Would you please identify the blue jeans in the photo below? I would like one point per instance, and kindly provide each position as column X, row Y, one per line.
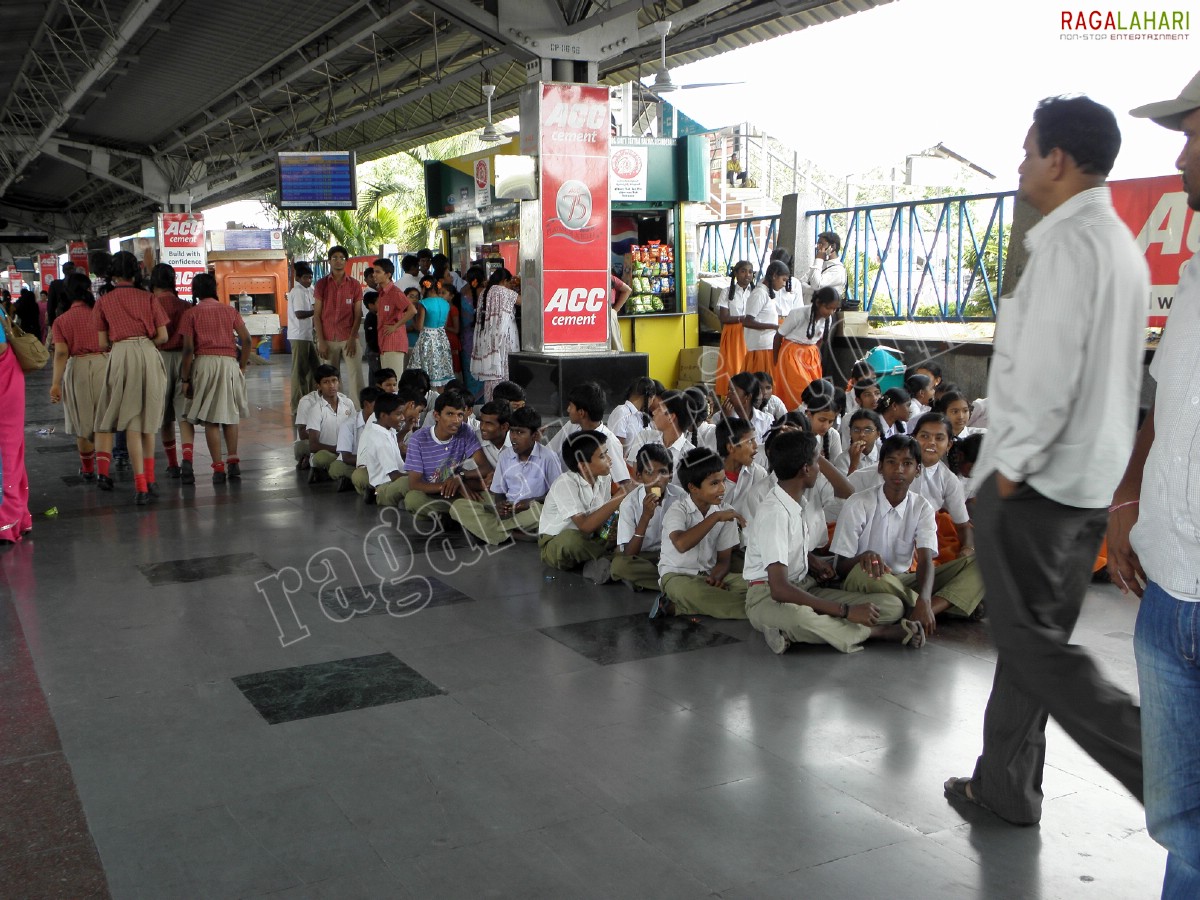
column 1168, row 663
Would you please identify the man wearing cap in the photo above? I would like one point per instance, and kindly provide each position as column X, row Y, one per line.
column 1051, row 460
column 1157, row 506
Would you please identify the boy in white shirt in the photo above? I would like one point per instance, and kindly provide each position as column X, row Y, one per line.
column 585, row 409
column 379, row 454
column 577, row 510
column 783, row 600
column 493, row 429
column 639, row 522
column 879, row 531
column 700, row 535
column 319, row 417
column 525, row 472
column 345, row 467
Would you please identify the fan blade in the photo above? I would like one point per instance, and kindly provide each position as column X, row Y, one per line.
column 711, row 84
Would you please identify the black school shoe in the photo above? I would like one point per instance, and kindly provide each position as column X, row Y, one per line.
column 344, row 484
column 142, row 498
column 318, row 476
column 173, row 471
column 219, row 478
column 234, row 470
column 104, row 482
column 187, row 474
column 89, row 477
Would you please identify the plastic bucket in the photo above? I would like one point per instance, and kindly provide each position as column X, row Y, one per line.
column 888, row 367
column 264, row 349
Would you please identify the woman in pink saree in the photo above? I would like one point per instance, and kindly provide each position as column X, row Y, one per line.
column 15, row 521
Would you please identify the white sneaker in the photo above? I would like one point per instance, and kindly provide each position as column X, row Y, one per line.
column 598, row 571
column 775, row 640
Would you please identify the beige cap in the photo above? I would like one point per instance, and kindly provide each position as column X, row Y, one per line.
column 1169, row 113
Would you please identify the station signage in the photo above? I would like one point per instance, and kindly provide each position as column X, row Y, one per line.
column 78, row 251
column 1167, row 230
column 573, row 138
column 181, row 245
column 47, row 269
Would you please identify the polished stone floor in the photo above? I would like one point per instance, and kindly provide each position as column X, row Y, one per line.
column 273, row 690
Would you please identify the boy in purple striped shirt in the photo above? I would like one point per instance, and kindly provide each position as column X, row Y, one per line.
column 435, row 458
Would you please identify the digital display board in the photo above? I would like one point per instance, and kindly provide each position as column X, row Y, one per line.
column 317, row 180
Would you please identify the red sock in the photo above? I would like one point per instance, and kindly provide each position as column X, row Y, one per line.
column 148, row 469
column 232, row 459
column 218, row 467
column 103, row 461
column 187, row 452
column 172, row 455
column 87, row 462
column 139, row 484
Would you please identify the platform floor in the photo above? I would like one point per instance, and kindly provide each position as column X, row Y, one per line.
column 511, row 733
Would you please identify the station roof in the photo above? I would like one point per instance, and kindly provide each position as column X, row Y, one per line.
column 112, row 109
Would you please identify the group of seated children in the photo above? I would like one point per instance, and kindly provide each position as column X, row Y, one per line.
column 829, row 546
column 815, row 533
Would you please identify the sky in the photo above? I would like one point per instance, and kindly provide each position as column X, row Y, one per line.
column 869, row 89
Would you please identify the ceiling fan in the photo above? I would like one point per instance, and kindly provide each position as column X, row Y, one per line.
column 663, row 83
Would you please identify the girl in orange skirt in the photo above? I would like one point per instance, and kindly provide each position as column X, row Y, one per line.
column 731, row 309
column 798, row 346
column 762, row 318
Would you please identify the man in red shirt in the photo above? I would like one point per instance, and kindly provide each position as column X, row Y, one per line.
column 394, row 311
column 337, row 314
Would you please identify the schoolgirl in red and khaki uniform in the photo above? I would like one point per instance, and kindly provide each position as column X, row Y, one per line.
column 162, row 285
column 131, row 325
column 79, row 367
column 214, row 374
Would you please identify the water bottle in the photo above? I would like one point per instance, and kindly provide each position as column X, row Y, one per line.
column 245, row 304
column 609, row 527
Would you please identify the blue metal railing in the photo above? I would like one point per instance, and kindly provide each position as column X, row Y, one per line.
column 727, row 242
column 912, row 260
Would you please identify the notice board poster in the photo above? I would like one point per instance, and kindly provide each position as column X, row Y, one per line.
column 574, row 136
column 78, row 251
column 1156, row 211
column 181, row 245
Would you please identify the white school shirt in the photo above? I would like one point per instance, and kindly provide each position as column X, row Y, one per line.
column 867, row 460
column 795, row 327
column 612, row 446
column 1076, row 322
column 490, row 451
column 943, row 490
column 525, row 479
column 570, row 496
column 745, row 494
column 787, row 302
column 735, row 300
column 316, row 415
column 300, row 299
column 969, row 430
column 764, row 309
column 869, row 522
column 379, row 453
column 625, row 421
column 631, row 514
column 652, row 435
column 917, row 409
column 824, row 273
column 860, row 480
column 780, row 533
column 775, row 408
column 1167, row 534
column 350, row 433
column 682, row 516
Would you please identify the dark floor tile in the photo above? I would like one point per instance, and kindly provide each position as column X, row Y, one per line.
column 353, row 600
column 178, row 571
column 70, row 873
column 625, row 638
column 321, row 689
column 72, row 480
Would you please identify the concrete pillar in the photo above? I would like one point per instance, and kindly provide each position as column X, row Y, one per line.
column 1015, row 254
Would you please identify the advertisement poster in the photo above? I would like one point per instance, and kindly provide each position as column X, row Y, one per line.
column 181, row 244
column 47, row 269
column 574, row 136
column 483, row 183
column 78, row 251
column 627, row 181
column 1156, row 211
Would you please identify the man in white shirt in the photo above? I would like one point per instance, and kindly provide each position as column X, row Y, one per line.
column 827, row 270
column 408, row 274
column 1165, row 555
column 1052, row 459
column 300, row 334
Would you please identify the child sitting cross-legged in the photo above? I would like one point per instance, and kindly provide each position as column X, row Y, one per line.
column 319, row 417
column 585, row 409
column 784, row 600
column 700, row 535
column 435, row 460
column 578, row 508
column 880, row 529
column 639, row 524
column 344, row 468
column 379, row 453
column 525, row 471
